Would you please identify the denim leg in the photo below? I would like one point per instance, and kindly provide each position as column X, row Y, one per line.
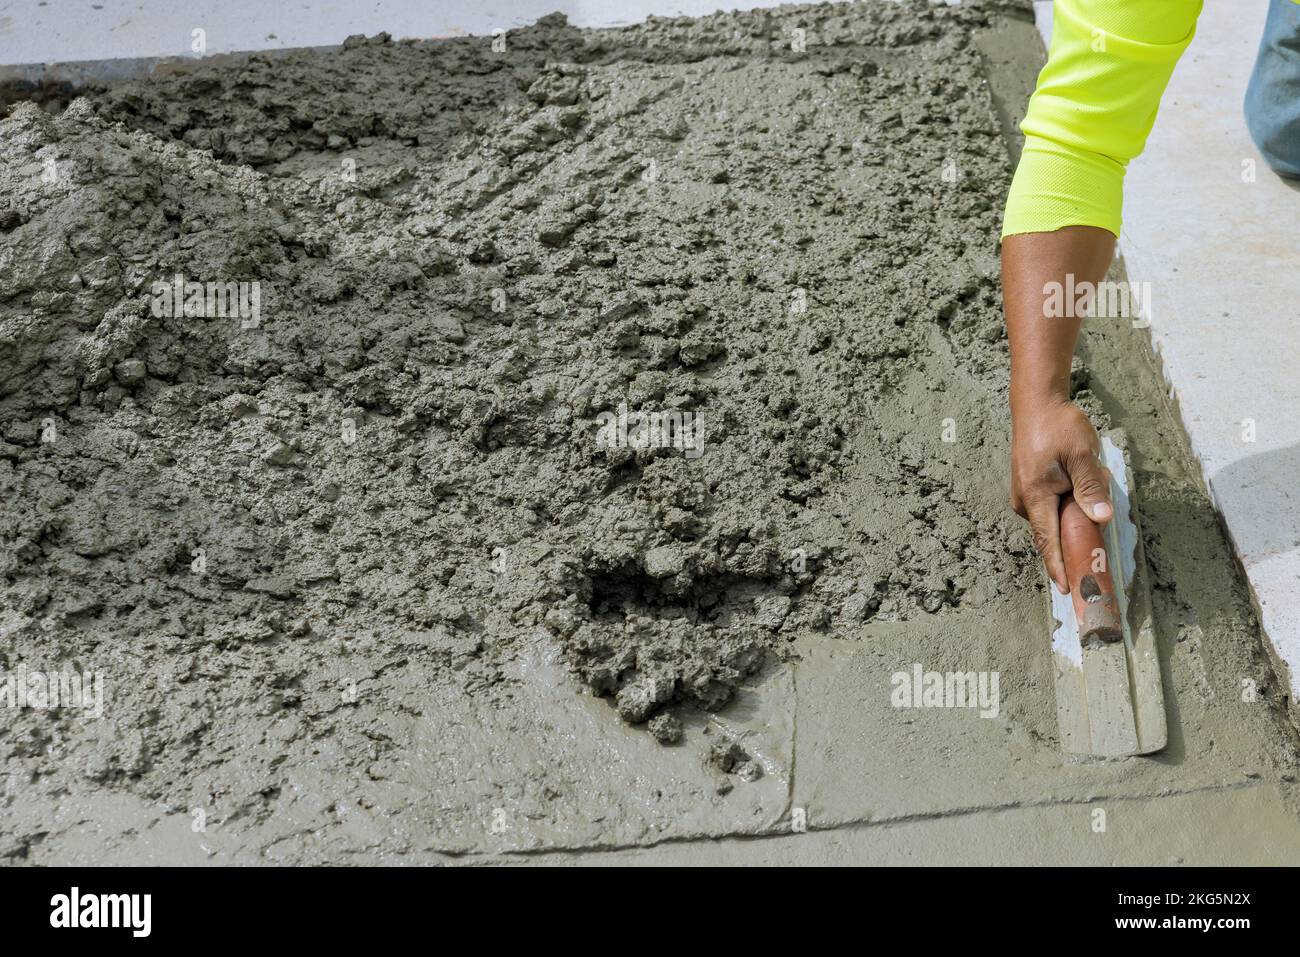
column 1273, row 97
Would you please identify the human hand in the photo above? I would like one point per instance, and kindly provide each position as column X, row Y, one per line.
column 1054, row 453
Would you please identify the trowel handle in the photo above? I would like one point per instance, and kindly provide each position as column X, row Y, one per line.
column 1087, row 569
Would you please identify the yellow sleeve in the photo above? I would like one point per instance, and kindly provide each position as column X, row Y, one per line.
column 1094, row 106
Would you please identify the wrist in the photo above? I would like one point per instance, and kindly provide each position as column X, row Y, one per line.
column 1030, row 404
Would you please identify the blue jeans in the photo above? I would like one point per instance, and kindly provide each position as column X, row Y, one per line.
column 1273, row 97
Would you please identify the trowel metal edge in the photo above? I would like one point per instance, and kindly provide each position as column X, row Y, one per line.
column 1109, row 699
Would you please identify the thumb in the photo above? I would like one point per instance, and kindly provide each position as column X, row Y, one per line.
column 1091, row 481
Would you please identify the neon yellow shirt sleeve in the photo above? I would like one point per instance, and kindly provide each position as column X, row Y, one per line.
column 1094, row 106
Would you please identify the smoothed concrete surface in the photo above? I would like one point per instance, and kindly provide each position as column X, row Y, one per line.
column 1245, row 826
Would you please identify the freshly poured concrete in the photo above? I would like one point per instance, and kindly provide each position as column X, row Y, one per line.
column 321, row 697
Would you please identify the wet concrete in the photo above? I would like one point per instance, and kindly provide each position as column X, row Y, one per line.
column 381, row 576
column 1198, row 829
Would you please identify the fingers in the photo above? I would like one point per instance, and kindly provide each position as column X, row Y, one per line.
column 1091, row 481
column 1044, row 523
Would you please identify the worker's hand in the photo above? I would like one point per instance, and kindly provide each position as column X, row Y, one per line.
column 1054, row 453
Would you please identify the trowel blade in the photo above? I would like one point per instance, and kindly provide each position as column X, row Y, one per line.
column 1109, row 699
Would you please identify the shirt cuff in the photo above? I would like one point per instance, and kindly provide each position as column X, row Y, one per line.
column 1058, row 185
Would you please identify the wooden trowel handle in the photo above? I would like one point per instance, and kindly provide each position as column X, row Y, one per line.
column 1087, row 569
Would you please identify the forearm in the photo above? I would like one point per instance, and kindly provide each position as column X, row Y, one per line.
column 1041, row 342
column 1090, row 114
column 1053, row 445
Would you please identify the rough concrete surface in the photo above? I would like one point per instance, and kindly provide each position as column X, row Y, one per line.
column 378, row 574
